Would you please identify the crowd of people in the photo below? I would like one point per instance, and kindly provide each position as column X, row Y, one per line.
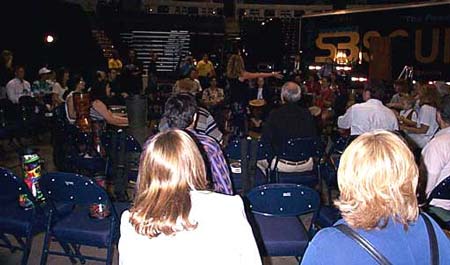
column 182, row 193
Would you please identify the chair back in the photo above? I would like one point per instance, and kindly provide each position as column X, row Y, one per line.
column 441, row 191
column 263, row 151
column 73, row 188
column 11, row 187
column 301, row 149
column 237, row 149
column 132, row 145
column 283, row 200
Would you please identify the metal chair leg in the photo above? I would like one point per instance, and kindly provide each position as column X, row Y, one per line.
column 27, row 249
column 8, row 244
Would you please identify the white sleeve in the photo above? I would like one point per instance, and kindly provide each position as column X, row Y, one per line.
column 249, row 250
column 427, row 115
column 10, row 93
column 434, row 162
column 345, row 121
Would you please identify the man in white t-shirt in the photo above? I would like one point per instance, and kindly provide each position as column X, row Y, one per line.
column 436, row 154
column 18, row 86
column 370, row 115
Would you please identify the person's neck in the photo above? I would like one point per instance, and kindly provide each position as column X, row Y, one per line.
column 260, row 87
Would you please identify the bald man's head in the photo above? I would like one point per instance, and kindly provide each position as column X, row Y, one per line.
column 291, row 92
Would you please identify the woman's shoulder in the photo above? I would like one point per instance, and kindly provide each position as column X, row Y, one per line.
column 214, row 200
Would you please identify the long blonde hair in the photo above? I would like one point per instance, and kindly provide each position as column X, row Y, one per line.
column 377, row 179
column 170, row 167
column 235, row 66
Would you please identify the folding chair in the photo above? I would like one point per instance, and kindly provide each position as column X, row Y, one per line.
column 276, row 210
column 442, row 192
column 133, row 151
column 237, row 155
column 21, row 223
column 77, row 228
column 300, row 149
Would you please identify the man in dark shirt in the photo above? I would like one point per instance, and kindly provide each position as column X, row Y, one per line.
column 290, row 120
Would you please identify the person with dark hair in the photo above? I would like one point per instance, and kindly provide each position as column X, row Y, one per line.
column 436, row 154
column 60, row 87
column 99, row 111
column 132, row 74
column 181, row 112
column 77, row 86
column 369, row 116
column 18, row 86
column 6, row 70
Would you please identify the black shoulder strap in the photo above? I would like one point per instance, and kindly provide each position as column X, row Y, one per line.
column 363, row 243
column 434, row 249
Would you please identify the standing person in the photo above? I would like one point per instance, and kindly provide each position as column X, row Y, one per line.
column 173, row 210
column 117, row 93
column 296, row 67
column 422, row 130
column 186, row 66
column 237, row 76
column 205, row 70
column 132, row 74
column 6, row 71
column 378, row 179
column 18, row 86
column 152, row 72
column 114, row 63
column 326, row 69
column 60, row 87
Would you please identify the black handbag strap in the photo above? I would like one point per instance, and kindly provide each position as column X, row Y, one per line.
column 363, row 243
column 434, row 250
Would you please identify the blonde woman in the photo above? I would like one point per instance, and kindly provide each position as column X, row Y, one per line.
column 239, row 90
column 174, row 219
column 377, row 179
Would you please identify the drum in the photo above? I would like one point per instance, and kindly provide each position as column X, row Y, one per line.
column 82, row 106
column 256, row 114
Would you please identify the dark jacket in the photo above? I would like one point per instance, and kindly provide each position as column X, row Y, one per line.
column 267, row 94
column 288, row 122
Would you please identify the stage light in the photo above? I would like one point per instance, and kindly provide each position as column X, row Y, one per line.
column 263, row 23
column 49, row 39
column 414, row 82
column 447, row 83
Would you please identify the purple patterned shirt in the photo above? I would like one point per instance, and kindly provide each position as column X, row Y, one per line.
column 219, row 167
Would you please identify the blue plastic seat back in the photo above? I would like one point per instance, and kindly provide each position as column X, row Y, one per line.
column 301, row 149
column 73, row 188
column 441, row 191
column 283, row 200
column 264, row 151
column 233, row 151
column 11, row 186
column 132, row 145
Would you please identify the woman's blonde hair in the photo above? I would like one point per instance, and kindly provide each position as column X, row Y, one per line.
column 170, row 167
column 428, row 94
column 235, row 66
column 377, row 179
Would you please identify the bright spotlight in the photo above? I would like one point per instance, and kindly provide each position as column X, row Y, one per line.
column 49, row 39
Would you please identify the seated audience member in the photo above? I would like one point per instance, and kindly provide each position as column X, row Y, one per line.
column 422, row 131
column 189, row 84
column 181, row 112
column 377, row 180
column 213, row 95
column 401, row 90
column 176, row 218
column 205, row 123
column 59, row 87
column 436, row 154
column 18, row 86
column 261, row 91
column 42, row 87
column 99, row 110
column 370, row 115
column 290, row 121
column 78, row 85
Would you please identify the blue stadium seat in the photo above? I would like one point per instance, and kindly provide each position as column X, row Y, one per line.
column 276, row 210
column 442, row 192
